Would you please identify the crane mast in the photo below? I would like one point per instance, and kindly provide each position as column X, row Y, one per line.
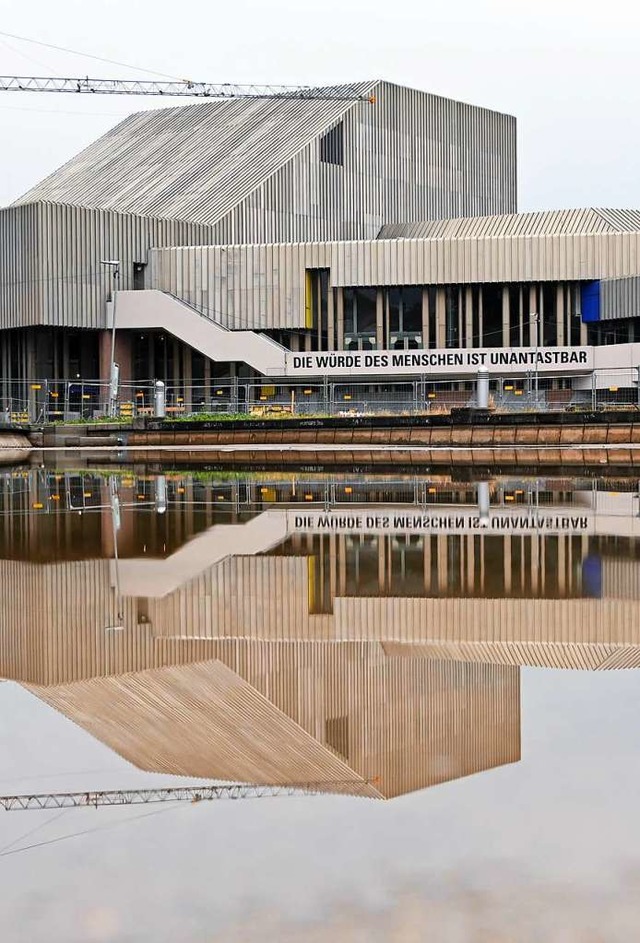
column 176, row 89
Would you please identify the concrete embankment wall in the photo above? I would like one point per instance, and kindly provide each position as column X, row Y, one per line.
column 460, row 436
column 514, row 444
column 526, row 440
column 292, row 457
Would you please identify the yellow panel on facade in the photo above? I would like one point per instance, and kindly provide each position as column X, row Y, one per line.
column 311, row 576
column 308, row 300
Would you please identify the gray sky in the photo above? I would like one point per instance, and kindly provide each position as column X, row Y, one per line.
column 568, row 71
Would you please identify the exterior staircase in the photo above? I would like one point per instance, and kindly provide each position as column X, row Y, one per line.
column 157, row 310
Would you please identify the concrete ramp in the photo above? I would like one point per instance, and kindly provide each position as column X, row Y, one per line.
column 156, row 310
column 157, row 578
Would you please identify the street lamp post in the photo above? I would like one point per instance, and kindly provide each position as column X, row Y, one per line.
column 536, row 320
column 114, row 502
column 114, row 368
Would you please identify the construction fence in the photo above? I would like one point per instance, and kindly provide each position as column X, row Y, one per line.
column 46, row 401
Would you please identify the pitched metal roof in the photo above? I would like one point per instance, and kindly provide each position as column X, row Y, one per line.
column 193, row 163
column 568, row 222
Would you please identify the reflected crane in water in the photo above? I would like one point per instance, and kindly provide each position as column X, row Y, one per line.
column 193, row 794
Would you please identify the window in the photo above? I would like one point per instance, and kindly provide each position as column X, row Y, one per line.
column 360, row 310
column 332, row 146
column 452, row 333
column 337, row 734
column 404, row 306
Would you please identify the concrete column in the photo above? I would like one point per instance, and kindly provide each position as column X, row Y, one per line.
column 175, row 379
column 506, row 550
column 442, row 563
column 480, row 317
column 123, row 356
column 535, row 562
column 426, row 551
column 425, row 317
column 505, row 316
column 340, row 319
column 520, row 316
column 583, row 332
column 562, row 564
column 441, row 316
column 331, row 323
column 469, row 315
column 382, row 569
column 380, row 340
column 342, row 564
column 533, row 309
column 560, row 314
column 151, row 358
column 187, row 370
column 207, row 381
column 470, row 562
column 333, row 567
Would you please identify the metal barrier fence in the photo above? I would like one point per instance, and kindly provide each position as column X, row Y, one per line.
column 53, row 491
column 46, row 401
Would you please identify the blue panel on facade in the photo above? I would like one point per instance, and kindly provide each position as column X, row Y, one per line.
column 590, row 301
column 592, row 576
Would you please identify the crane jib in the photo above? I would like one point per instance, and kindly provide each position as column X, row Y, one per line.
column 186, row 88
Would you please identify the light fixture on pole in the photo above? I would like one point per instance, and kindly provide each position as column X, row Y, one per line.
column 535, row 317
column 114, row 368
column 114, row 503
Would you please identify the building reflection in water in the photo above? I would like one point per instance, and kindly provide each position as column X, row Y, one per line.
column 362, row 633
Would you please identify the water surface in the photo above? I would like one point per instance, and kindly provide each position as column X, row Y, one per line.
column 448, row 665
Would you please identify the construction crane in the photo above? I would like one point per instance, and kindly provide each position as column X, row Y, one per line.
column 203, row 793
column 186, row 88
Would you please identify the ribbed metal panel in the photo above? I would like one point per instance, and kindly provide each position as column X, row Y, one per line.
column 199, row 720
column 575, row 655
column 53, row 623
column 259, row 287
column 620, row 578
column 245, row 172
column 619, row 298
column 247, row 597
column 194, row 162
column 50, row 272
column 290, row 712
column 611, row 622
column 253, row 167
column 547, row 223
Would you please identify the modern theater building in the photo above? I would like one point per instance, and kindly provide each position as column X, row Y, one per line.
column 300, row 239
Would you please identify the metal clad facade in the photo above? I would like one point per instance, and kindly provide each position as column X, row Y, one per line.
column 292, row 712
column 245, row 172
column 50, row 260
column 256, row 170
column 258, row 287
column 619, row 298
